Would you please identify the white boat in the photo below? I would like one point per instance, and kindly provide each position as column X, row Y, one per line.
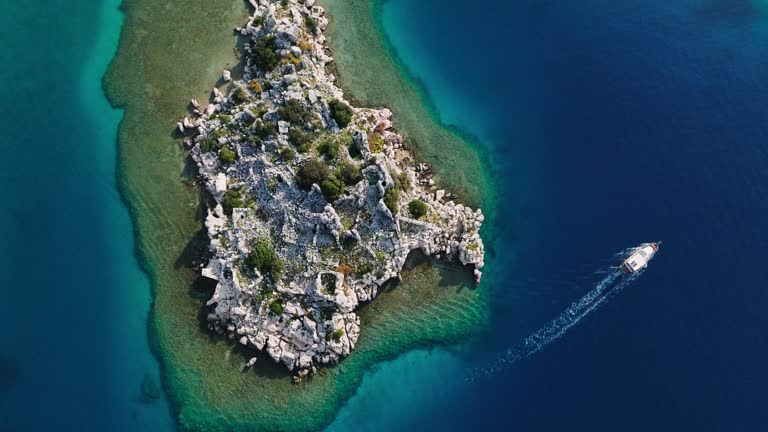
column 639, row 257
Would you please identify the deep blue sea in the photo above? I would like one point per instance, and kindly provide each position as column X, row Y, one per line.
column 605, row 123
column 73, row 302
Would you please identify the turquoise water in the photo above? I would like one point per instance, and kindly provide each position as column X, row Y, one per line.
column 74, row 302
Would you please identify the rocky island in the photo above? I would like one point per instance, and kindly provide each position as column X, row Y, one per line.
column 314, row 204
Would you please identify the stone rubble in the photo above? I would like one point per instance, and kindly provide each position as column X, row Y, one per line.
column 336, row 254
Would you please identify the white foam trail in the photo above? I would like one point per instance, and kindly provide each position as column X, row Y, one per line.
column 611, row 284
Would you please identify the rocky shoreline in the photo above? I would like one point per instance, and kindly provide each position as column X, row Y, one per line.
column 314, row 204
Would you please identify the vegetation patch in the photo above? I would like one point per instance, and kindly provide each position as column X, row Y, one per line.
column 264, row 259
column 391, row 198
column 227, row 155
column 264, row 55
column 341, row 112
column 312, row 171
column 232, row 200
column 417, row 208
column 294, row 112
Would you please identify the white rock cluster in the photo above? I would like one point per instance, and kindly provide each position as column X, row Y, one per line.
column 334, row 255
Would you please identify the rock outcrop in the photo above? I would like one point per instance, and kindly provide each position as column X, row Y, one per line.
column 314, row 204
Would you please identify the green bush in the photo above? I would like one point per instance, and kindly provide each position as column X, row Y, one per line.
column 329, row 149
column 417, row 208
column 332, row 188
column 239, row 95
column 264, row 129
column 335, row 335
column 264, row 259
column 340, row 112
column 350, row 173
column 311, row 24
column 293, row 112
column 276, row 307
column 208, row 145
column 264, row 55
column 313, row 171
column 227, row 155
column 364, row 268
column 302, row 141
column 286, row 153
column 232, row 199
column 391, row 197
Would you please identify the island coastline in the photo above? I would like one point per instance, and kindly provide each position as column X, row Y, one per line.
column 218, row 408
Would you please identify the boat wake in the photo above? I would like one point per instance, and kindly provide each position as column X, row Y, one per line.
column 610, row 285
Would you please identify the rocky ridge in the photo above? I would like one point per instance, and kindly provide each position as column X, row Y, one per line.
column 314, row 204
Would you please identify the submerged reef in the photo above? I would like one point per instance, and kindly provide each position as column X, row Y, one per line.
column 314, row 204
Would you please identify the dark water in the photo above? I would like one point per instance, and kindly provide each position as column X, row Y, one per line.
column 607, row 124
column 73, row 302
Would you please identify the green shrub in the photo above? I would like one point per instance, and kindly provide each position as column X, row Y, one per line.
column 232, row 199
column 302, row 141
column 340, row 112
column 264, row 55
column 208, row 145
column 311, row 24
column 227, row 155
column 264, row 259
column 332, row 188
column 265, row 129
column 405, row 182
column 276, row 307
column 239, row 95
column 335, row 335
column 313, row 171
column 350, row 173
column 329, row 149
column 391, row 197
column 286, row 153
column 293, row 112
column 417, row 208
column 364, row 268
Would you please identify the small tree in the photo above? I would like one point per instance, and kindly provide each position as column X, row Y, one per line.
column 264, row 55
column 332, row 188
column 391, row 197
column 293, row 112
column 286, row 153
column 264, row 129
column 417, row 208
column 350, row 173
column 239, row 95
column 313, row 171
column 299, row 139
column 264, row 259
column 340, row 112
column 329, row 149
